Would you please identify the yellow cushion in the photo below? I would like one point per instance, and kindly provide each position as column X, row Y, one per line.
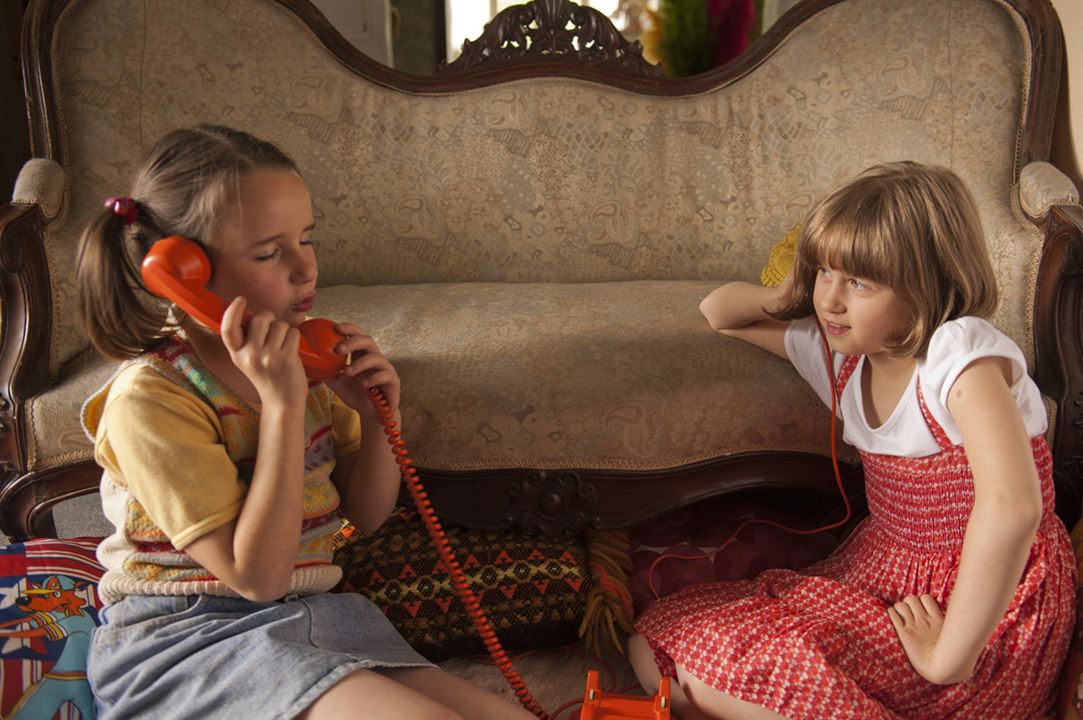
column 781, row 259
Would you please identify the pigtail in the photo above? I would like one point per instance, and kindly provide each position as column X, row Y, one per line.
column 113, row 302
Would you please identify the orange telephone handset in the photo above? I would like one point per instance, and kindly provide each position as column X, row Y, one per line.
column 178, row 269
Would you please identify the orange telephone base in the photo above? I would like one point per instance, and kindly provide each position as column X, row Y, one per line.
column 598, row 705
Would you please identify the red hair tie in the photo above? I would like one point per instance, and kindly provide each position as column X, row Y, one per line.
column 124, row 207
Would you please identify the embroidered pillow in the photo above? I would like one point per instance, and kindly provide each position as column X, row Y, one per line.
column 533, row 588
column 48, row 608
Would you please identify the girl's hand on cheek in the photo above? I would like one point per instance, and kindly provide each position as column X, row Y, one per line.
column 368, row 368
column 266, row 352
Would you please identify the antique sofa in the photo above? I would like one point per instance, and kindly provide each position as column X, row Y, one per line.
column 528, row 233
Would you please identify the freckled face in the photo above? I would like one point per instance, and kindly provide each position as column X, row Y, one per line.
column 263, row 249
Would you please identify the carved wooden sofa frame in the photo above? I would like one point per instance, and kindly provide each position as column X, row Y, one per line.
column 564, row 42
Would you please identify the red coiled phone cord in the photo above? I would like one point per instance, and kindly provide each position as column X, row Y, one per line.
column 458, row 579
column 443, row 549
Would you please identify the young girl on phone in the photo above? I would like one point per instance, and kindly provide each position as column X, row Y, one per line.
column 955, row 597
column 225, row 468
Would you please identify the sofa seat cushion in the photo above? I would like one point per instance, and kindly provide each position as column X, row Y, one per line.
column 613, row 375
column 616, row 375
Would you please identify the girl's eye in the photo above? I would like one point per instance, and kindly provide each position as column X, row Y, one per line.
column 823, row 272
column 269, row 256
column 858, row 284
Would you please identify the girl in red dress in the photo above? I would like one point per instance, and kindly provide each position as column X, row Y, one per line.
column 955, row 597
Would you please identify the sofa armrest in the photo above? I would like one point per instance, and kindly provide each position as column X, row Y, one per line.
column 25, row 327
column 41, row 183
column 1058, row 346
column 1041, row 186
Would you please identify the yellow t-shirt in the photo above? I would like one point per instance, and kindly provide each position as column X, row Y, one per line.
column 177, row 449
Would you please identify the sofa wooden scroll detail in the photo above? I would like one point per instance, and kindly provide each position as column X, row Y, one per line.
column 529, row 232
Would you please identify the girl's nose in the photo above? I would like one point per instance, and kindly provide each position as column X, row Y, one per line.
column 304, row 268
column 831, row 296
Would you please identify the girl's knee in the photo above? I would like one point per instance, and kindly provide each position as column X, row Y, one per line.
column 639, row 647
column 698, row 699
column 641, row 656
column 381, row 696
column 452, row 715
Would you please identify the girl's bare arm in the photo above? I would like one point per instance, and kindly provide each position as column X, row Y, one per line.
column 368, row 480
column 740, row 310
column 255, row 553
column 999, row 533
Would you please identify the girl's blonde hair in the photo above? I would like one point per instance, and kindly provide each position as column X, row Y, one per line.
column 911, row 227
column 180, row 188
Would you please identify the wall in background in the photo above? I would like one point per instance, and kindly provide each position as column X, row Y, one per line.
column 1068, row 132
column 417, row 31
column 366, row 24
column 14, row 135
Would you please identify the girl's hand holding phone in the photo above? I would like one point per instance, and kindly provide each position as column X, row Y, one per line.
column 368, row 368
column 265, row 350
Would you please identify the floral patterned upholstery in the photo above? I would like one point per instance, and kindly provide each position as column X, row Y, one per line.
column 531, row 253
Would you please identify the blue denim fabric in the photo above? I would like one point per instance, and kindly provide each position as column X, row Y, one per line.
column 200, row 656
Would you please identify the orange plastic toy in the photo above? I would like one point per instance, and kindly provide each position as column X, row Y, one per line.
column 602, row 706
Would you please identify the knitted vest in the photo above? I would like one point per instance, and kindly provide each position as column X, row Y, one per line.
column 139, row 557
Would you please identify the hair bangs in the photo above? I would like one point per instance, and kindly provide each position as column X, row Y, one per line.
column 850, row 240
column 910, row 227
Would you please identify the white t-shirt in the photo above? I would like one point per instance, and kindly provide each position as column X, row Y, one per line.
column 954, row 346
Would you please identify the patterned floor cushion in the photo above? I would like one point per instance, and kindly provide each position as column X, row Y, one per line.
column 534, row 589
column 48, row 608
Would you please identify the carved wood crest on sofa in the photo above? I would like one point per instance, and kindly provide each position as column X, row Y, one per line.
column 528, row 233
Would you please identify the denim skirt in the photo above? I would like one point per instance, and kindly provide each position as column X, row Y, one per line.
column 200, row 656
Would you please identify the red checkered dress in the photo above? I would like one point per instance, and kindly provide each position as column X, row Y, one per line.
column 819, row 644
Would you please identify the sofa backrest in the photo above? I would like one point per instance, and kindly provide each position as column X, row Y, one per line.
column 553, row 179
